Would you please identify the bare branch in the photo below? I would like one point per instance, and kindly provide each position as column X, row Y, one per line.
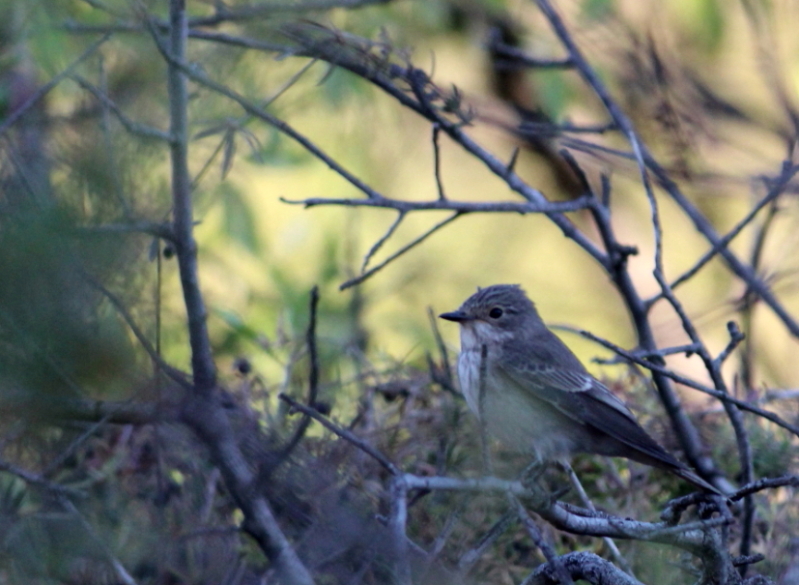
column 38, row 481
column 689, row 537
column 14, row 116
column 450, row 205
column 132, row 127
column 196, row 75
column 778, row 188
column 379, row 243
column 397, row 522
column 119, row 306
column 581, row 565
column 224, row 14
column 353, row 55
column 685, row 381
column 360, row 278
column 561, row 575
column 313, row 377
column 122, row 574
column 470, row 557
column 517, row 57
column 586, row 501
column 344, row 434
column 203, row 367
column 200, row 411
column 736, row 337
column 437, row 163
column 765, row 484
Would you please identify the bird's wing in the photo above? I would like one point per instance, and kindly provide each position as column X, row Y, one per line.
column 558, row 384
column 586, row 400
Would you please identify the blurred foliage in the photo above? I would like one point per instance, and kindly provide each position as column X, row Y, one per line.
column 74, row 183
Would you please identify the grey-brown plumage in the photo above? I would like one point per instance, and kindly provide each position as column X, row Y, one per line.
column 535, row 395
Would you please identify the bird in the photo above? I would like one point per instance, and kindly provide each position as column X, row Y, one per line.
column 531, row 392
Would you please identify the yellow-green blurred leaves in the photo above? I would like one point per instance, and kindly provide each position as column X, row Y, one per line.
column 238, row 222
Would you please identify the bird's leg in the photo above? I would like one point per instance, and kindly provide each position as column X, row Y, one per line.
column 533, row 472
column 540, row 496
column 530, row 480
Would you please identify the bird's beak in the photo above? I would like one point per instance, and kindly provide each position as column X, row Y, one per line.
column 457, row 316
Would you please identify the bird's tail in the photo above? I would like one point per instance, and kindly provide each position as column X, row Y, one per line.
column 693, row 478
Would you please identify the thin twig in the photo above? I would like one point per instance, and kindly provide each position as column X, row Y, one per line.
column 765, row 484
column 135, row 128
column 121, row 572
column 736, row 337
column 379, row 243
column 777, row 189
column 514, row 158
column 38, row 481
column 14, row 116
column 470, row 557
column 714, row 369
column 480, row 484
column 690, row 383
column 155, row 356
column 313, row 377
column 413, row 243
column 535, row 534
column 58, row 461
column 516, row 55
column 232, row 126
column 578, row 487
column 437, row 163
column 521, row 208
column 196, row 75
column 268, row 8
column 747, row 305
column 344, row 434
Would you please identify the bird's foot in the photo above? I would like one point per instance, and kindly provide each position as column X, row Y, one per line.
column 532, row 473
column 530, row 480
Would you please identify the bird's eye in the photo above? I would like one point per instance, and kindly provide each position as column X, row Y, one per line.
column 495, row 313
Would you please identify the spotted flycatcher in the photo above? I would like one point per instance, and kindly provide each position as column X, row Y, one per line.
column 531, row 392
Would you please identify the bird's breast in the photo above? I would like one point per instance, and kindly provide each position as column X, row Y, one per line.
column 516, row 415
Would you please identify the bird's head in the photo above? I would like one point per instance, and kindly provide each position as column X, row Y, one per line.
column 495, row 312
